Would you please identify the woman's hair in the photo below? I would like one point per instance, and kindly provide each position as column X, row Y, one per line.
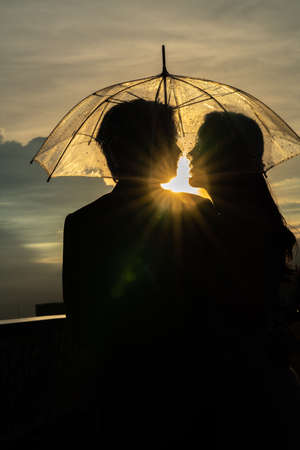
column 286, row 240
column 233, row 142
column 132, row 134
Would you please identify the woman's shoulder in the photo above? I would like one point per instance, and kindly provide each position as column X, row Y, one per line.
column 193, row 201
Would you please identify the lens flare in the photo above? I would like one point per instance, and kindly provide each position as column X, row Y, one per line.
column 181, row 183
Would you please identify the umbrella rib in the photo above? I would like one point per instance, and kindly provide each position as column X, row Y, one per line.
column 267, row 128
column 201, row 90
column 158, row 90
column 282, row 161
column 179, row 112
column 136, row 96
column 183, row 77
column 54, row 129
column 84, row 134
column 187, row 103
column 97, row 123
column 169, row 98
column 195, row 103
column 116, row 100
column 85, row 120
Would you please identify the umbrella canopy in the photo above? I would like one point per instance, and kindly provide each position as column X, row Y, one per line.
column 71, row 148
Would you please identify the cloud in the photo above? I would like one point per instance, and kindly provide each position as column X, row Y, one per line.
column 47, row 252
column 22, row 282
column 291, row 206
column 72, row 49
column 31, row 227
column 2, row 136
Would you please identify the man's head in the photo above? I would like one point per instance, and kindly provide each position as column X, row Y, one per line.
column 139, row 138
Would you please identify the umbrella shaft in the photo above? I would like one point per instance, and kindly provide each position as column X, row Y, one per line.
column 164, row 72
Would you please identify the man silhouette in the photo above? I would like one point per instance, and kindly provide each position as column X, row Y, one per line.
column 125, row 284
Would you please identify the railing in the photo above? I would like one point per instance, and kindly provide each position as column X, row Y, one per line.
column 32, row 353
column 31, row 319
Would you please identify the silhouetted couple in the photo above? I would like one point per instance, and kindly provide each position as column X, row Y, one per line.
column 169, row 296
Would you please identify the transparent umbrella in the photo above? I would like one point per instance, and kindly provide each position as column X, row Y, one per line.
column 71, row 148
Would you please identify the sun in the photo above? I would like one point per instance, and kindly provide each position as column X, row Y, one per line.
column 181, row 183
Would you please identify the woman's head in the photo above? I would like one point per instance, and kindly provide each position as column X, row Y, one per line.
column 139, row 137
column 227, row 161
column 228, row 144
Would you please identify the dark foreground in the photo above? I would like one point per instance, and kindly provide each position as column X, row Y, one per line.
column 33, row 356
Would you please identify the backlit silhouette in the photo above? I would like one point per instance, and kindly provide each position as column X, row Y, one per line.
column 127, row 294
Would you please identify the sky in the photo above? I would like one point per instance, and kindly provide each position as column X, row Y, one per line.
column 55, row 53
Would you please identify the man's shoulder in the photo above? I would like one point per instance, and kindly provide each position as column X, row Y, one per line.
column 91, row 210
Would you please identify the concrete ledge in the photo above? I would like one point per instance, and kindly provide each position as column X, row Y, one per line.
column 31, row 319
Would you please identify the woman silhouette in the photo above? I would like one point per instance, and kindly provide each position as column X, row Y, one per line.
column 227, row 161
column 255, row 247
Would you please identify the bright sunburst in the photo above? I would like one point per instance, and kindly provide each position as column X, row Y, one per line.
column 181, row 182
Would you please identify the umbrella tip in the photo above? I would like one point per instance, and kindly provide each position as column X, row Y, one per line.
column 163, row 50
